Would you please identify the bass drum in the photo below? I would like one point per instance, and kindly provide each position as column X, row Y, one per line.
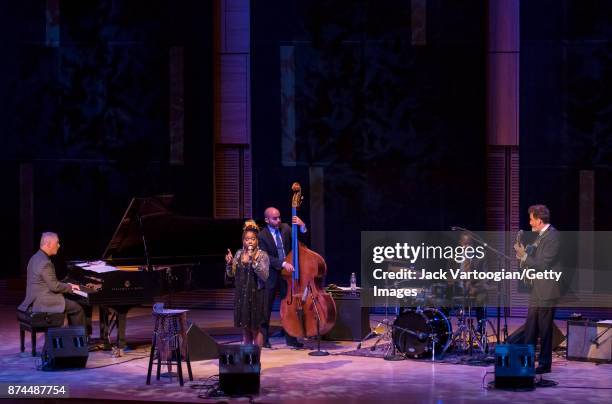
column 415, row 330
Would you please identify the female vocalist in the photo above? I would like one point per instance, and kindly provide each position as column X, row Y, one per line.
column 250, row 268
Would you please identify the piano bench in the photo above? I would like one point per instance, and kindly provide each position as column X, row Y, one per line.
column 36, row 322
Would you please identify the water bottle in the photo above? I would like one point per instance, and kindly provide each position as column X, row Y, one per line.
column 353, row 283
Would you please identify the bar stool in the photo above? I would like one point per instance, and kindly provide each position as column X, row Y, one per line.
column 169, row 341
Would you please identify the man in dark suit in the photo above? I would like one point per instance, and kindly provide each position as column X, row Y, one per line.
column 44, row 293
column 542, row 255
column 275, row 239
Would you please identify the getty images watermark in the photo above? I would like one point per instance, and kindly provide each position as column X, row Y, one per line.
column 441, row 268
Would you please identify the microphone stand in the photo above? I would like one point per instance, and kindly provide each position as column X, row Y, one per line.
column 392, row 356
column 500, row 255
column 318, row 352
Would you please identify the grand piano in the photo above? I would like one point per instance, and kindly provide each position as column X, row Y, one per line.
column 153, row 252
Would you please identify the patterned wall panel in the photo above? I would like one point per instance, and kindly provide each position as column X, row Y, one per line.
column 232, row 121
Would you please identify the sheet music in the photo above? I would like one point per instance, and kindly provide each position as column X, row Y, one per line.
column 97, row 266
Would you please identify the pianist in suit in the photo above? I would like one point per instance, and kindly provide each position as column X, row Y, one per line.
column 44, row 293
column 250, row 268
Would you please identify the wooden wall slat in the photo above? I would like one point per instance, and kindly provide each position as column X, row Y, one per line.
column 232, row 119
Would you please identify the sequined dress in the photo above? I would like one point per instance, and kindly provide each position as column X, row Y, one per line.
column 250, row 294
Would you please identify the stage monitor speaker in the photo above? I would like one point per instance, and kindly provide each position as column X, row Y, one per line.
column 352, row 320
column 65, row 348
column 518, row 336
column 201, row 345
column 514, row 366
column 589, row 341
column 239, row 369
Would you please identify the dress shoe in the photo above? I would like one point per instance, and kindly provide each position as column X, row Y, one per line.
column 267, row 344
column 296, row 344
column 542, row 369
column 94, row 344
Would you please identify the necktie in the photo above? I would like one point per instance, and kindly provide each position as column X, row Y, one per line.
column 536, row 243
column 279, row 244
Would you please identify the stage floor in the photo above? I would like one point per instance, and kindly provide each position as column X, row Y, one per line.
column 292, row 375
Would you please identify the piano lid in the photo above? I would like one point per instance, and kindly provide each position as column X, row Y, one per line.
column 170, row 237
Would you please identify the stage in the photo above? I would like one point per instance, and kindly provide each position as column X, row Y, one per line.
column 292, row 375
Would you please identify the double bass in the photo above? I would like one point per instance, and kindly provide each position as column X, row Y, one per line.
column 307, row 310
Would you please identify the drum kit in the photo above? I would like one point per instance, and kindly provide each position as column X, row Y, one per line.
column 422, row 328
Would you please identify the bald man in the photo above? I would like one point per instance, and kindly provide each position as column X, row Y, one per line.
column 275, row 239
column 44, row 293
